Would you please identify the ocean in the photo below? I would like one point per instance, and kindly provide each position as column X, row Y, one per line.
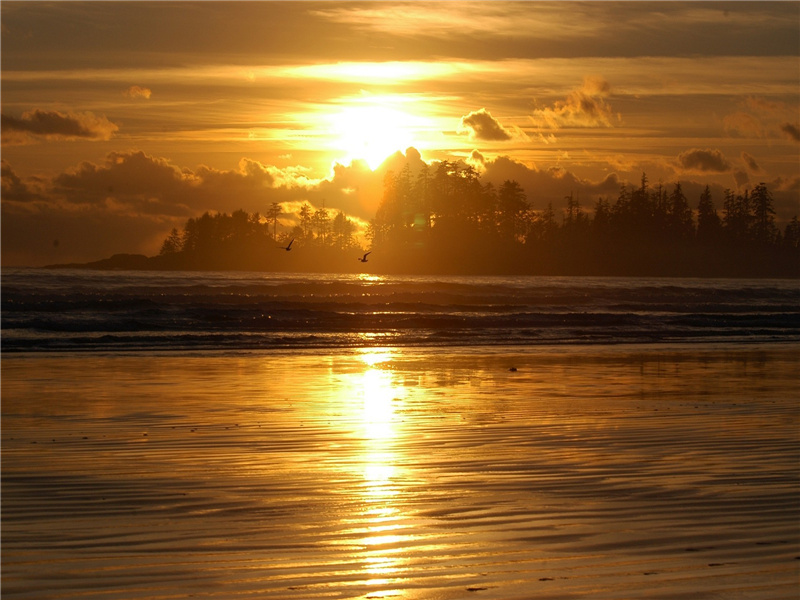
column 82, row 310
column 296, row 436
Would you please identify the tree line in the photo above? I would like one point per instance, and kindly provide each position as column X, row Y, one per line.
column 248, row 241
column 465, row 225
column 446, row 220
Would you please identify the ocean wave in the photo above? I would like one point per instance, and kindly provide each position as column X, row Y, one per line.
column 44, row 310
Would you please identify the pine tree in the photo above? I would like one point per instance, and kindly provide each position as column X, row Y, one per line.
column 708, row 222
column 791, row 236
column 512, row 206
column 680, row 215
column 763, row 227
column 172, row 244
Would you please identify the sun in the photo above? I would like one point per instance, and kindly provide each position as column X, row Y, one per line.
column 371, row 133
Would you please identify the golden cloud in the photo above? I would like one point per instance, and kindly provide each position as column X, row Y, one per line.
column 136, row 91
column 583, row 107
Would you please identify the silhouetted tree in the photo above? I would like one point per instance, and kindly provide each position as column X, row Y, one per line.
column 708, row 221
column 655, row 221
column 681, row 224
column 791, row 236
column 306, row 218
column 273, row 213
column 763, row 227
column 602, row 218
column 322, row 224
column 543, row 226
column 422, row 199
column 342, row 230
column 173, row 243
column 488, row 210
column 736, row 219
column 451, row 221
column 512, row 208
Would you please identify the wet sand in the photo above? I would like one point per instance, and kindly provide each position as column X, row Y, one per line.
column 605, row 472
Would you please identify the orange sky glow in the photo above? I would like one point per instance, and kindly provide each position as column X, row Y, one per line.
column 121, row 120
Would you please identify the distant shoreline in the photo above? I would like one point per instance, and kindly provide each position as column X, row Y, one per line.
column 141, row 262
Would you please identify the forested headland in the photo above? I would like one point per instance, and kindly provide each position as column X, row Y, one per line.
column 447, row 221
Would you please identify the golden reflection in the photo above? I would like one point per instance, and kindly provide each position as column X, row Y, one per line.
column 368, row 279
column 384, row 536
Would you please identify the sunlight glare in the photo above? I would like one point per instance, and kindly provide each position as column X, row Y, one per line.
column 375, row 356
column 386, row 73
column 378, row 405
column 370, row 279
column 371, row 133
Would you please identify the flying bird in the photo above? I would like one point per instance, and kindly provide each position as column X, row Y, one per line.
column 289, row 247
column 364, row 258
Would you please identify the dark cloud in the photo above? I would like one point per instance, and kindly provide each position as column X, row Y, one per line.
column 250, row 176
column 87, row 207
column 706, row 161
column 128, row 179
column 11, row 186
column 751, row 163
column 49, row 124
column 380, row 31
column 741, row 178
column 131, row 201
column 793, row 131
column 549, row 186
column 481, row 125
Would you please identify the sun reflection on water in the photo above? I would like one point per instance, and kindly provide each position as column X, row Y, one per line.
column 367, row 278
column 383, row 538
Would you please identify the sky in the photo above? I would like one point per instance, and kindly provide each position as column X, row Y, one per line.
column 121, row 120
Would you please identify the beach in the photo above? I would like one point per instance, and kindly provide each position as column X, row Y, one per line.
column 608, row 471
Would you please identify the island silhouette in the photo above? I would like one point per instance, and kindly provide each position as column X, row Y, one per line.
column 447, row 221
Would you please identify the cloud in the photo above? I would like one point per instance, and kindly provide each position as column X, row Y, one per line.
column 751, row 163
column 792, row 131
column 477, row 161
column 12, row 188
column 136, row 91
column 583, row 107
column 704, row 161
column 481, row 125
column 54, row 125
column 788, row 184
column 551, row 185
column 768, row 107
column 133, row 180
column 762, row 118
column 131, row 200
column 743, row 124
column 741, row 178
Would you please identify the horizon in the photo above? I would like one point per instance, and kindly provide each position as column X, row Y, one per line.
column 115, row 131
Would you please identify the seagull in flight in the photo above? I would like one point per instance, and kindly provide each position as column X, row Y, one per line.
column 364, row 258
column 289, row 247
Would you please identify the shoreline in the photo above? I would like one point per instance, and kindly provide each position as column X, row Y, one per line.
column 393, row 472
column 570, row 348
